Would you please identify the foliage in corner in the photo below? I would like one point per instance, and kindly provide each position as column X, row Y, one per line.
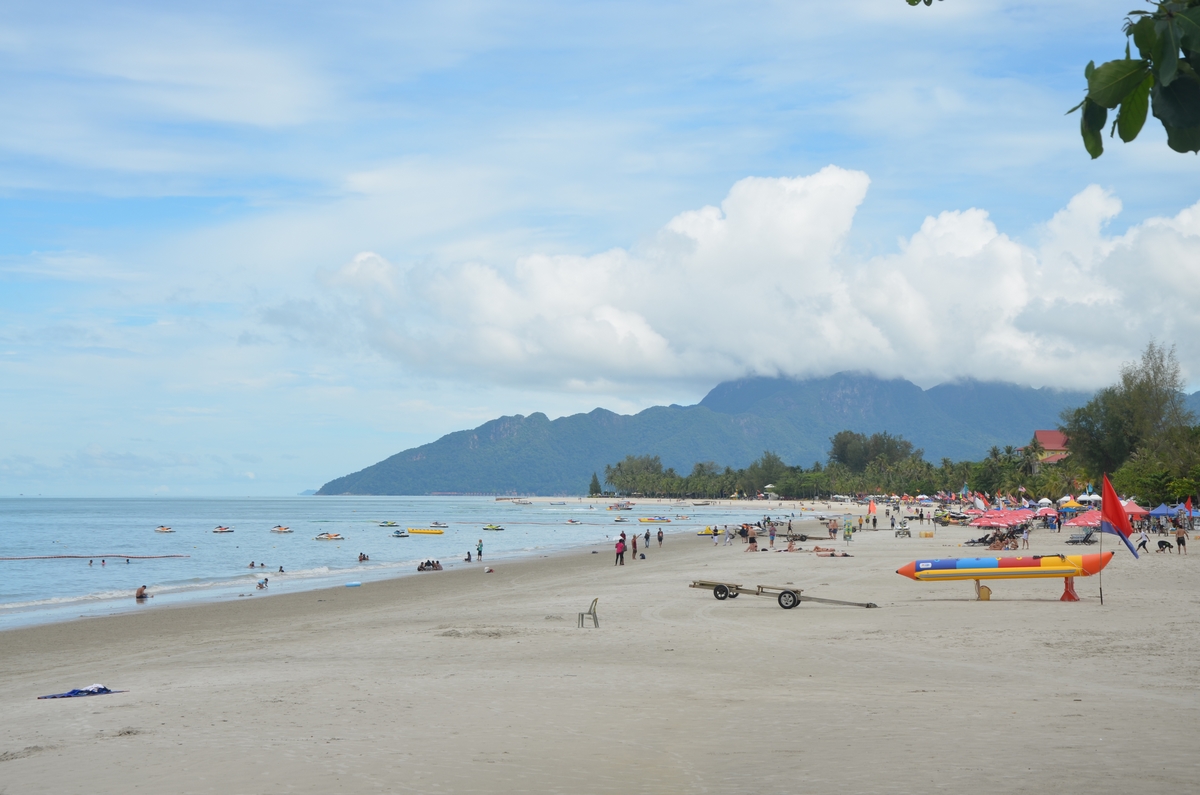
column 1163, row 80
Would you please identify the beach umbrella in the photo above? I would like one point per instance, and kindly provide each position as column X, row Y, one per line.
column 1134, row 510
column 1045, row 501
column 1065, row 498
column 1086, row 519
column 1071, row 506
column 1088, row 498
column 1047, row 512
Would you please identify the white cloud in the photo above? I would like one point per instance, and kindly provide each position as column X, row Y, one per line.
column 762, row 285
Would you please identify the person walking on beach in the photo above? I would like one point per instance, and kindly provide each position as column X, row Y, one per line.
column 874, row 521
column 660, row 534
column 620, row 552
column 771, row 535
column 1025, row 538
column 728, row 536
column 1181, row 539
column 1143, row 539
column 647, row 538
column 634, row 546
column 479, row 551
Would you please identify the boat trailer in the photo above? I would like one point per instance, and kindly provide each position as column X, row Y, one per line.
column 787, row 596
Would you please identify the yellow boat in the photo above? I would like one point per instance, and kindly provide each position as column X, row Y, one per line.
column 711, row 531
column 655, row 520
column 425, row 531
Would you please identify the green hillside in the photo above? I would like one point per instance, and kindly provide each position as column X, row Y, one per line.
column 732, row 425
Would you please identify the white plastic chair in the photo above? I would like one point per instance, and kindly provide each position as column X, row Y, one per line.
column 591, row 612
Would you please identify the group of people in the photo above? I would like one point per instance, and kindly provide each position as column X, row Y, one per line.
column 430, row 565
column 362, row 557
column 632, row 545
column 478, row 553
column 1181, row 535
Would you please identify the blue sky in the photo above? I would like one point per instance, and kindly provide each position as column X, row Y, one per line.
column 244, row 250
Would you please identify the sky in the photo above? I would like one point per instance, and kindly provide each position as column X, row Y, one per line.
column 248, row 248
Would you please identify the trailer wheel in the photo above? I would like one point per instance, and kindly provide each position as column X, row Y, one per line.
column 721, row 592
column 803, row 537
column 788, row 600
column 733, row 594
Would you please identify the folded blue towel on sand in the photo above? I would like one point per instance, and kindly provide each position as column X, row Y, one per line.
column 90, row 690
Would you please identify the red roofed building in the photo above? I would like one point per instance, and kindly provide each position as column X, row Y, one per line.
column 1054, row 446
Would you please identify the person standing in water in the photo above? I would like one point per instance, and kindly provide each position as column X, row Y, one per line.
column 479, row 551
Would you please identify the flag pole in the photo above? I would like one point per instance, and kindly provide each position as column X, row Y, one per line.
column 1104, row 477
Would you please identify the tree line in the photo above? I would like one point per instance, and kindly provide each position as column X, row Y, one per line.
column 1138, row 430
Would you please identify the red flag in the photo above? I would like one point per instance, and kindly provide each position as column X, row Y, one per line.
column 1113, row 518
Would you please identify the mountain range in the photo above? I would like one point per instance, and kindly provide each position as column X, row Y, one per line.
column 732, row 426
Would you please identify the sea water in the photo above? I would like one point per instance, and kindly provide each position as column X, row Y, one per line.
column 105, row 531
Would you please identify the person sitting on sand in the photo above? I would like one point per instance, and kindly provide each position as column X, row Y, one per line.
column 141, row 594
column 791, row 547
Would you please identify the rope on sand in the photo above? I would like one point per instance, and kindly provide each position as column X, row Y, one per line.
column 129, row 557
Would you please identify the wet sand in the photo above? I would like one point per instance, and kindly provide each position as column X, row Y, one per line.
column 462, row 681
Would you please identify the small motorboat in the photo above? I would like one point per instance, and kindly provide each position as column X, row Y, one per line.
column 438, row 524
column 682, row 516
column 388, row 524
column 329, row 537
column 162, row 528
column 223, row 530
column 494, row 527
column 426, row 531
column 399, row 534
column 280, row 529
column 574, row 521
column 558, row 503
column 522, row 502
column 620, row 519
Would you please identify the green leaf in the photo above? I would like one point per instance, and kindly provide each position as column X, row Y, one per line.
column 1132, row 114
column 1091, row 123
column 1093, row 142
column 1182, row 139
column 1177, row 105
column 1110, row 82
column 1144, row 37
column 1189, row 29
column 1166, row 60
column 1087, row 70
column 1094, row 116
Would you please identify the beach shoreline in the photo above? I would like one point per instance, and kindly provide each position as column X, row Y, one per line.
column 464, row 681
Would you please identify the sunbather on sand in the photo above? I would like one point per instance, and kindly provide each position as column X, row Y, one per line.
column 834, row 554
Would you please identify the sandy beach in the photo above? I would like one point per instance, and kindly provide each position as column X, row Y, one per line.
column 462, row 681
